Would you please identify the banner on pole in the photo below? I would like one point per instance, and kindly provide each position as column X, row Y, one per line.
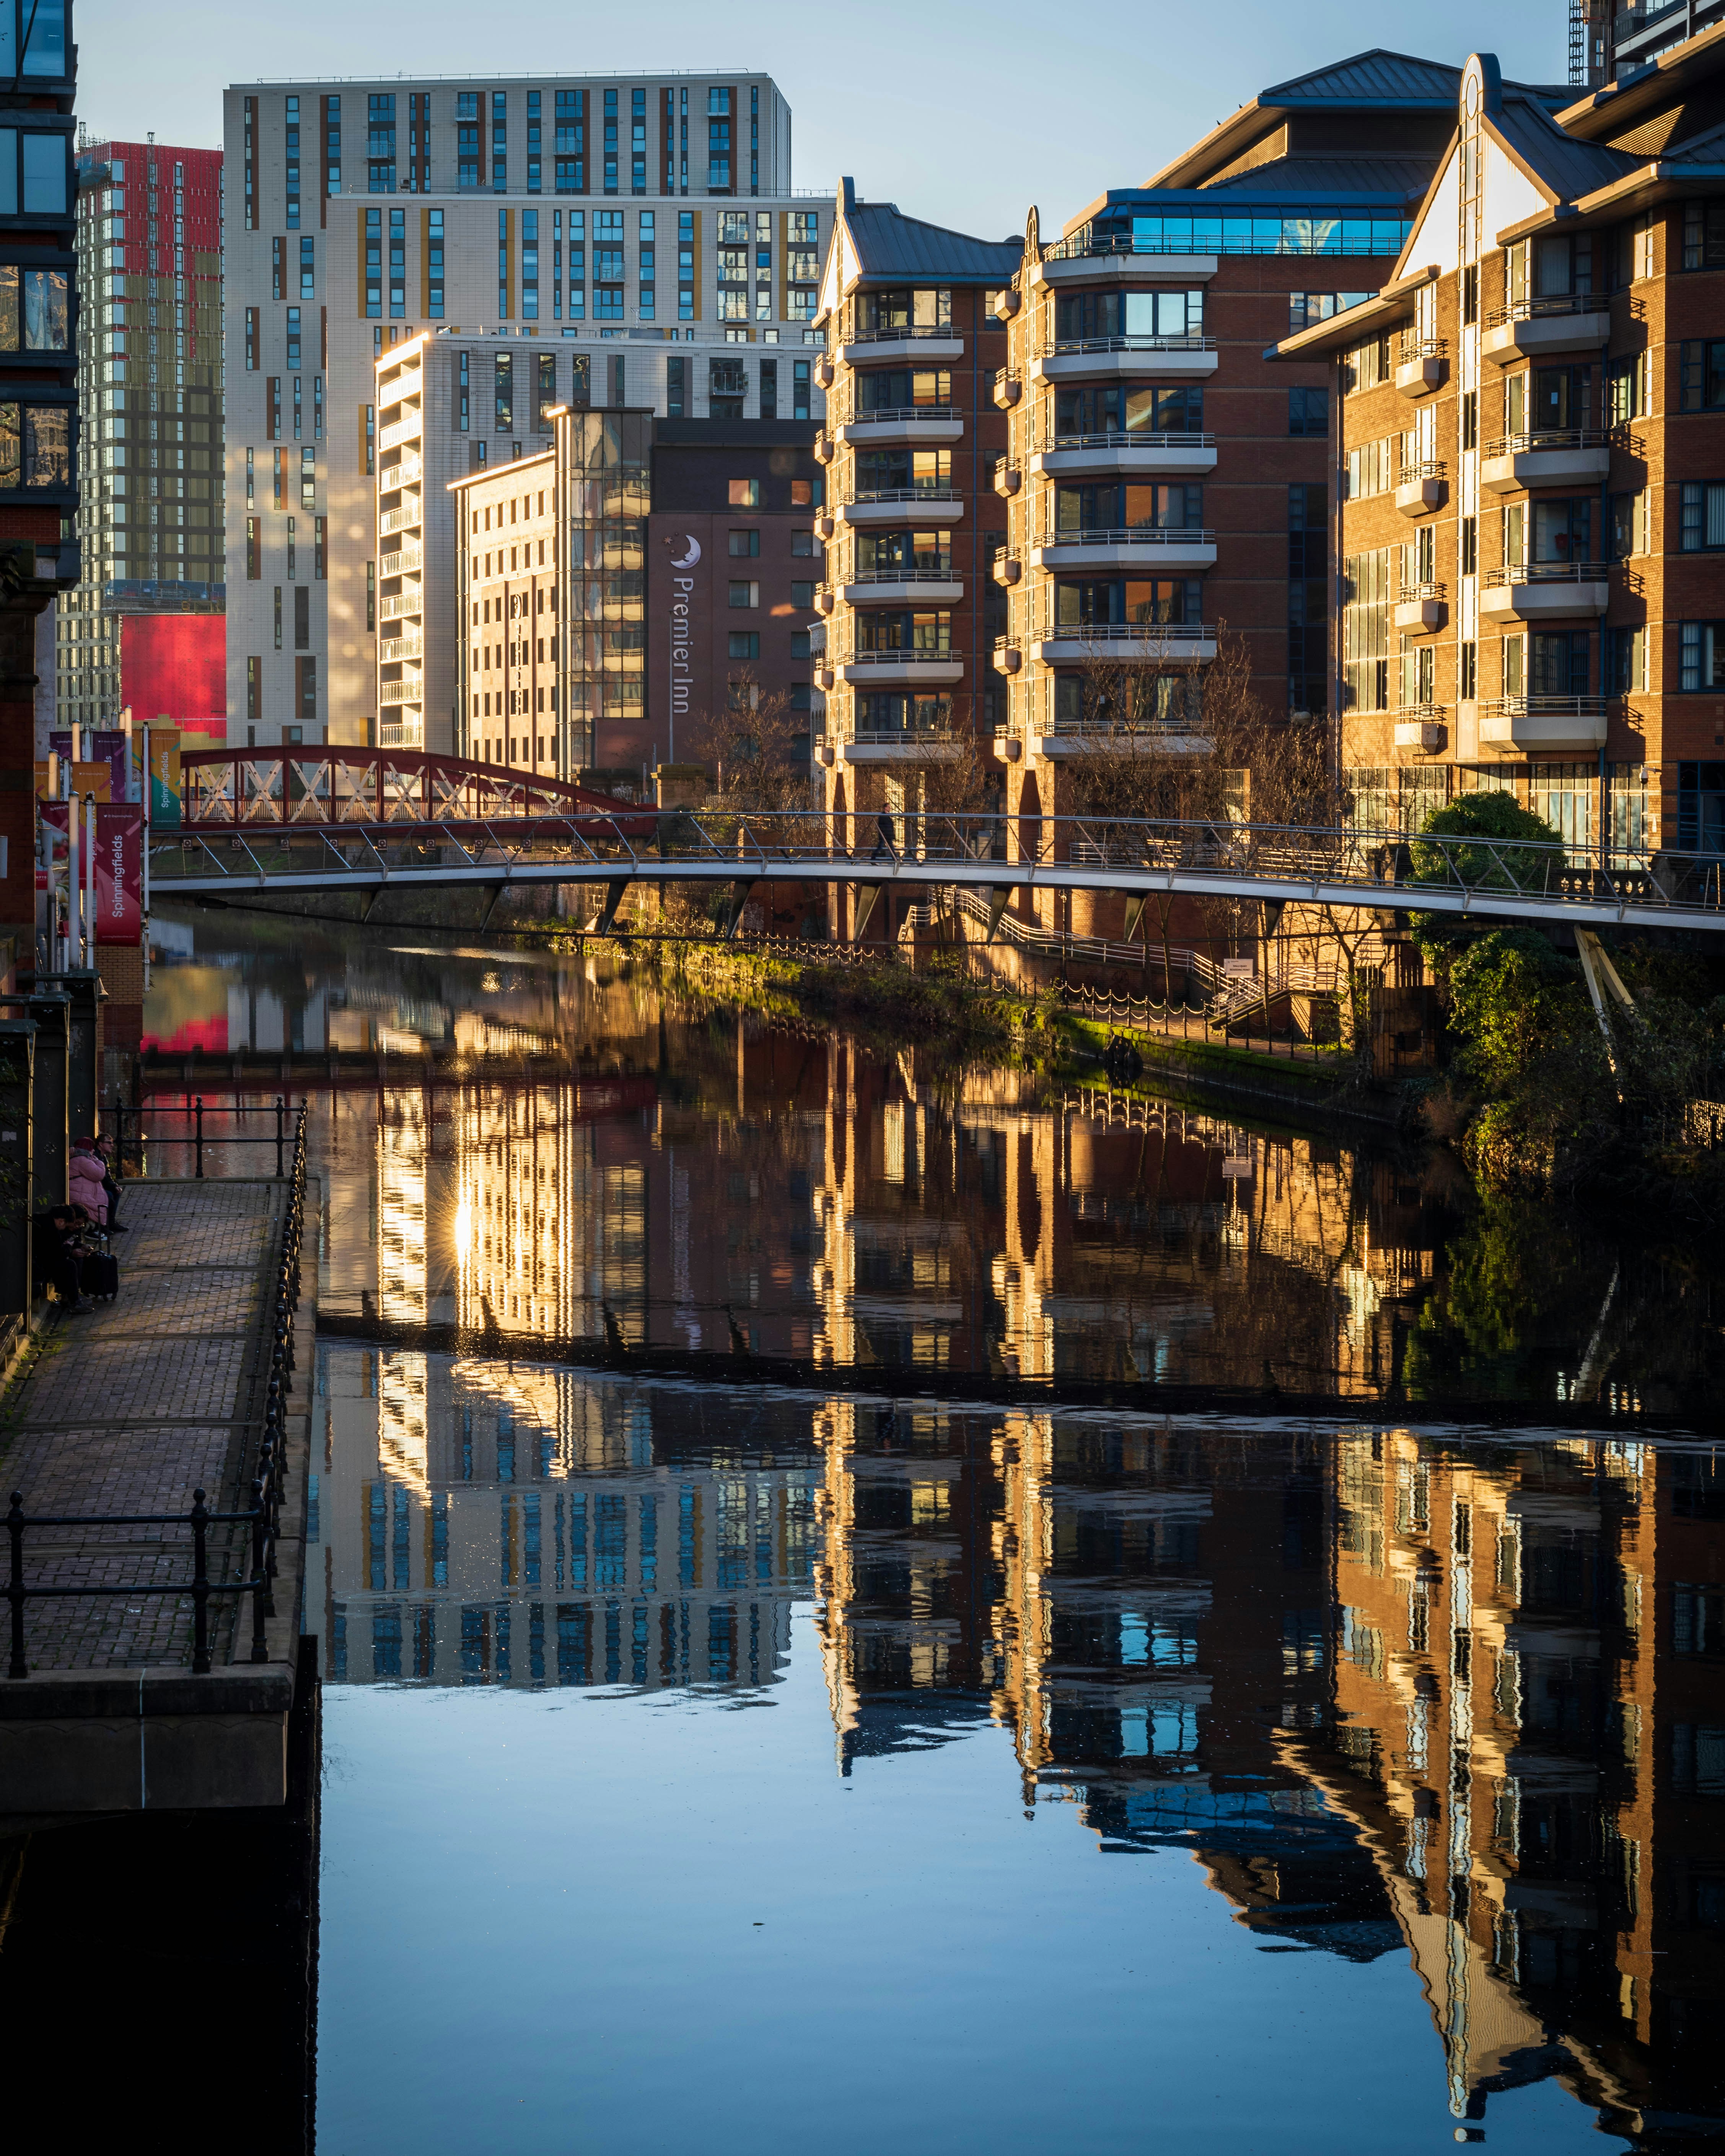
column 165, row 777
column 119, row 872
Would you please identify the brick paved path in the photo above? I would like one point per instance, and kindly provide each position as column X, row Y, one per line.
column 135, row 1406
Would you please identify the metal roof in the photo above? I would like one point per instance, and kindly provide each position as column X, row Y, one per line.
column 1569, row 168
column 1380, row 77
column 1309, row 177
column 889, row 244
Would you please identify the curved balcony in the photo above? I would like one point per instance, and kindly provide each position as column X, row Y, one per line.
column 1419, row 608
column 1420, row 727
column 1007, row 479
column 1125, row 455
column 1116, row 258
column 879, row 347
column 910, row 422
column 1008, row 389
column 903, row 587
column 824, row 600
column 1544, row 726
column 1552, row 457
column 1419, row 488
column 1149, row 643
column 822, row 448
column 1541, row 329
column 1133, row 547
column 1005, row 566
column 892, row 505
column 902, row 669
column 1421, row 365
column 1544, row 591
column 824, row 370
column 1101, row 359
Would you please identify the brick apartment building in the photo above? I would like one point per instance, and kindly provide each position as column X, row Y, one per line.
column 1525, row 585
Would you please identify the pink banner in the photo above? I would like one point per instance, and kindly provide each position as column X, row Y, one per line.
column 113, row 748
column 119, row 872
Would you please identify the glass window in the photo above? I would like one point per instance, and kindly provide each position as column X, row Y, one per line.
column 1308, row 410
column 1702, row 374
column 44, row 28
column 744, row 493
column 1703, row 516
column 1702, row 655
column 45, row 174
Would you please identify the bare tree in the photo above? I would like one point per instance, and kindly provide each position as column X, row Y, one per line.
column 750, row 748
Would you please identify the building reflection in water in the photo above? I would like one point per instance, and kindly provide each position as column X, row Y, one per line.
column 1461, row 1702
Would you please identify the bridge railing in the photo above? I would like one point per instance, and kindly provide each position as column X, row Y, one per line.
column 1433, row 872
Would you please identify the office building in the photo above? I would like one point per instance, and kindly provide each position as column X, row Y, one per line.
column 1608, row 43
column 39, row 410
column 1525, row 589
column 593, row 211
column 728, row 462
column 151, row 522
column 911, row 437
column 1168, row 484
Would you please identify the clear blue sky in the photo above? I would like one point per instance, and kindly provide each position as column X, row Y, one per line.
column 960, row 112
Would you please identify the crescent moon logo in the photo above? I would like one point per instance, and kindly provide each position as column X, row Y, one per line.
column 687, row 561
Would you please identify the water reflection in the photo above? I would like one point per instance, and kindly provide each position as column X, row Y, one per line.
column 543, row 1151
column 1395, row 1695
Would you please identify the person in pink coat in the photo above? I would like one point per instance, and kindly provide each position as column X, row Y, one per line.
column 87, row 1175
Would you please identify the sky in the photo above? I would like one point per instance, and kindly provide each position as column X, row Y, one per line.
column 962, row 113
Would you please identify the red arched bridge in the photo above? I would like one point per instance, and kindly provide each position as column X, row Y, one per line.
column 334, row 819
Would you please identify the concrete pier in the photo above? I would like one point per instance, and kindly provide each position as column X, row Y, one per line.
column 130, row 1409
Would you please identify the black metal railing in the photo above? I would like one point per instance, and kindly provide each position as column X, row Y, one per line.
column 289, row 1125
column 268, row 1486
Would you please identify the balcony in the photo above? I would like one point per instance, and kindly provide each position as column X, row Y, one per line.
column 1137, row 547
column 892, row 504
column 825, row 599
column 407, row 518
column 406, row 471
column 1419, row 608
column 902, row 669
column 879, row 347
column 401, row 692
column 1008, row 389
column 397, row 733
column 409, row 429
column 1007, row 304
column 1545, row 329
column 1005, row 566
column 1420, row 727
column 1125, row 456
column 1420, row 364
column 403, row 561
column 1132, row 643
column 1114, row 258
column 1101, row 359
column 910, row 422
column 412, row 645
column 1007, row 479
column 1558, row 457
column 1544, row 726
column 824, row 370
column 910, row 744
column 1419, row 488
column 904, row 587
column 394, row 606
column 1544, row 591
column 1080, row 737
column 822, row 448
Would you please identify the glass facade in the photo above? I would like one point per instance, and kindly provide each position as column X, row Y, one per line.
column 608, row 464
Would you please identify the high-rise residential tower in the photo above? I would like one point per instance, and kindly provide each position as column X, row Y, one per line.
column 149, row 394
column 599, row 210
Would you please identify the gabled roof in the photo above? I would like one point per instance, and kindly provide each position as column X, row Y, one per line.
column 889, row 244
column 1376, row 80
column 1568, row 169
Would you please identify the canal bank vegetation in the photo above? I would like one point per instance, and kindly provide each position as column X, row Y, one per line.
column 1534, row 1092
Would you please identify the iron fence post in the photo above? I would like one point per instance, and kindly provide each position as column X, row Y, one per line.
column 15, row 1585
column 260, row 1645
column 280, row 1125
column 197, row 1116
column 200, row 1586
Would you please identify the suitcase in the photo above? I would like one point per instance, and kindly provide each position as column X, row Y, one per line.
column 99, row 1274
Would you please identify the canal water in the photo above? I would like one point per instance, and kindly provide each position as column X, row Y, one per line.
column 1157, row 1545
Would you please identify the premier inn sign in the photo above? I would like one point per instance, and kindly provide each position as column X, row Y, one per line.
column 685, row 555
